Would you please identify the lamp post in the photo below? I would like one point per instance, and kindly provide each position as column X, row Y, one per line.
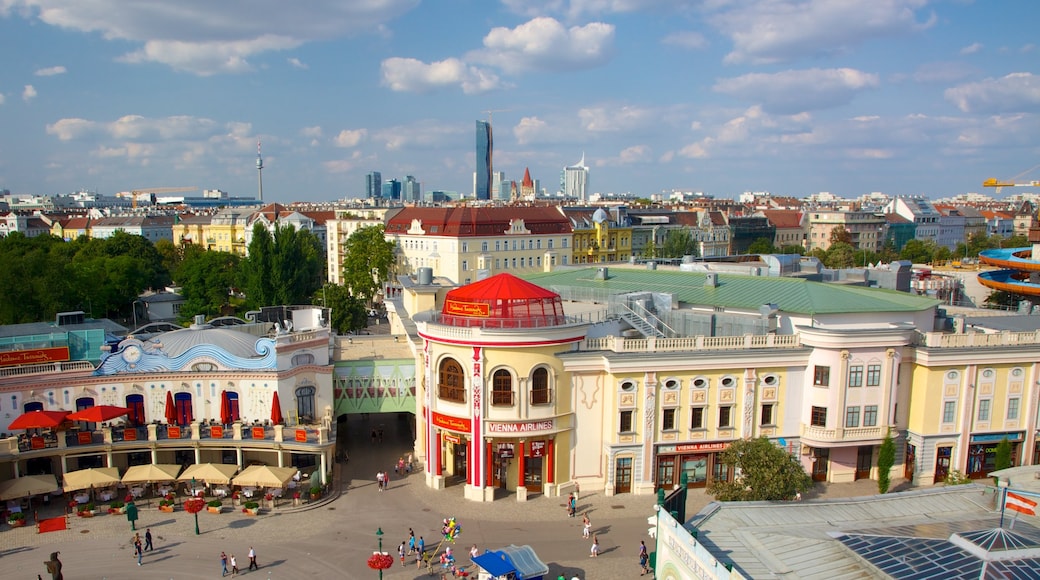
column 379, row 535
column 196, row 511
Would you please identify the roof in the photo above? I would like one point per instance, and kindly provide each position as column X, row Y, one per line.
column 784, row 218
column 503, row 297
column 520, row 559
column 235, row 342
column 794, row 295
column 478, row 221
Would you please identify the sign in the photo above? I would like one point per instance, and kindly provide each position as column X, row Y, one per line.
column 451, row 423
column 34, row 356
column 258, row 432
column 717, row 446
column 453, row 439
column 37, row 442
column 537, row 449
column 301, row 435
column 457, row 308
column 526, row 427
column 216, row 432
column 129, row 434
column 505, row 450
column 174, row 432
column 83, row 437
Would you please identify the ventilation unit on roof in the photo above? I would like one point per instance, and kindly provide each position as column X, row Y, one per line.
column 67, row 318
column 711, row 280
column 602, row 273
column 424, row 276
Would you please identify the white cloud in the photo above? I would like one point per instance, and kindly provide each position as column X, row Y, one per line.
column 545, row 44
column 295, row 63
column 50, row 71
column 795, row 91
column 767, row 31
column 686, row 39
column 604, row 119
column 628, row 156
column 972, row 48
column 312, row 132
column 138, row 128
column 205, row 37
column 28, row 93
column 415, row 76
column 2, row 98
column 421, row 135
column 350, row 138
column 1016, row 92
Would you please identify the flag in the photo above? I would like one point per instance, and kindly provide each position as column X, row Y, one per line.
column 1021, row 504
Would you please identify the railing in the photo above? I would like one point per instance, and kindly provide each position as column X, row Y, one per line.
column 57, row 367
column 977, row 339
column 540, row 396
column 843, row 434
column 454, row 394
column 502, row 398
column 692, row 343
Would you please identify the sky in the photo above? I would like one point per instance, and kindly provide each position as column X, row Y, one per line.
column 794, row 97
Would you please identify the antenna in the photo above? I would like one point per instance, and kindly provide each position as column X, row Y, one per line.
column 260, row 171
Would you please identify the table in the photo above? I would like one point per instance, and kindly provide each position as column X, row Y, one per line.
column 106, row 495
column 164, row 489
column 220, row 491
column 137, row 492
column 248, row 491
column 81, row 498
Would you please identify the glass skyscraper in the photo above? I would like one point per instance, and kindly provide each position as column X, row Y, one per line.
column 374, row 185
column 482, row 189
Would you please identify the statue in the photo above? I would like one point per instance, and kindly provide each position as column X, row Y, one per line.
column 54, row 567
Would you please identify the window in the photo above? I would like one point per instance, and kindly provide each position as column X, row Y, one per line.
column 563, row 243
column 727, row 382
column 870, row 416
column 725, row 417
column 856, row 376
column 540, row 387
column 498, row 245
column 451, row 386
column 1012, row 413
column 465, row 265
column 873, row 375
column 949, row 411
column 822, row 376
column 697, row 418
column 984, row 409
column 625, row 422
column 668, row 420
column 671, row 384
column 550, row 242
column 628, row 386
column 483, row 246
column 851, row 417
column 305, row 402
column 501, row 388
column 465, row 247
column 819, row 417
column 767, row 414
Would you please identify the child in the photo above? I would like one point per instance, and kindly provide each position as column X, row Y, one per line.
column 400, row 552
column 586, row 525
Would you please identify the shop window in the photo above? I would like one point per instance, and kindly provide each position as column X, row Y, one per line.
column 625, row 423
column 870, row 416
column 725, row 417
column 873, row 375
column 451, row 385
column 1012, row 410
column 984, row 409
column 819, row 417
column 697, row 418
column 668, row 420
column 540, row 394
column 949, row 411
column 822, row 376
column 851, row 417
column 856, row 376
column 502, row 388
column 767, row 414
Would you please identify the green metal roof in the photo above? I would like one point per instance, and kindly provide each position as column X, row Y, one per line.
column 795, row 295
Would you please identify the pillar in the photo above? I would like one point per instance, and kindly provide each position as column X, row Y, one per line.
column 238, row 457
column 155, row 455
column 471, row 463
column 198, row 455
column 324, row 468
column 16, row 474
column 108, row 457
column 439, row 469
column 521, row 468
column 550, row 463
column 490, row 466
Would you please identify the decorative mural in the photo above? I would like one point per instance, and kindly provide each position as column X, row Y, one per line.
column 374, row 386
column 135, row 356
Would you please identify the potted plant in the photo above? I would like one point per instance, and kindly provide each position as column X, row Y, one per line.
column 251, row 508
column 315, row 492
column 16, row 519
column 213, row 506
column 166, row 503
column 117, row 507
column 85, row 510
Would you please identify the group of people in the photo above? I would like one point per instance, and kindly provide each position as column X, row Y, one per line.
column 382, row 480
column 141, row 547
column 226, row 560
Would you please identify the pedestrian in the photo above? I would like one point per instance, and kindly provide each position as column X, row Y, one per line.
column 148, row 540
column 400, row 465
column 400, row 551
column 234, row 565
column 137, row 548
column 595, row 547
column 373, row 435
column 586, row 526
column 386, row 480
column 418, row 559
column 252, row 559
column 644, row 558
column 473, row 552
column 379, row 480
column 411, row 541
column 573, row 505
column 223, row 564
column 577, row 490
column 422, row 546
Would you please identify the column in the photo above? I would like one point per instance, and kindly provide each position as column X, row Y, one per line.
column 520, row 467
column 489, row 466
column 198, row 455
column 238, row 457
column 16, row 474
column 155, row 455
column 471, row 464
column 438, row 470
column 324, row 468
column 108, row 458
column 550, row 463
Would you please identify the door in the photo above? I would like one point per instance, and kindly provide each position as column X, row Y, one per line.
column 909, row 462
column 623, row 475
column 864, row 461
column 81, row 404
column 460, row 460
column 233, row 403
column 942, row 463
column 533, row 474
column 185, row 414
column 666, row 472
column 696, row 468
column 820, row 459
column 136, row 405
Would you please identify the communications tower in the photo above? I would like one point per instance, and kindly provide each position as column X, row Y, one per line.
column 259, row 171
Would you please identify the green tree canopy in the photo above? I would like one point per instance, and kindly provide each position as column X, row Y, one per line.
column 206, row 278
column 678, row 243
column 347, row 312
column 286, row 268
column 764, row 471
column 368, row 260
column 762, row 246
column 886, row 459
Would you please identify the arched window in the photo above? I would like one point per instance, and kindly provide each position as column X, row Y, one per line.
column 540, row 387
column 451, row 385
column 502, row 388
column 136, row 405
column 305, row 404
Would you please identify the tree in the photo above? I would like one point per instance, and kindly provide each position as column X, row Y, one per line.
column 762, row 246
column 918, row 251
column 1003, row 455
column 650, row 251
column 678, row 243
column 763, row 472
column 367, row 261
column 885, row 460
column 840, row 234
column 840, row 255
column 206, row 278
column 347, row 312
column 286, row 268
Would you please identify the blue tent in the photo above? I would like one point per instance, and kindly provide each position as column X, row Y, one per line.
column 519, row 562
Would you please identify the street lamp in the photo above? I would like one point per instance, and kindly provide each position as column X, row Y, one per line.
column 379, row 535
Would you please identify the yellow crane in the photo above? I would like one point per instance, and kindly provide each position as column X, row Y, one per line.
column 134, row 193
column 999, row 183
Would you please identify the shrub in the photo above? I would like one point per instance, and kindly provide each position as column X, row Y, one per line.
column 166, row 502
column 86, row 507
column 116, row 505
column 316, row 490
column 250, row 505
column 956, row 477
column 15, row 516
column 214, row 503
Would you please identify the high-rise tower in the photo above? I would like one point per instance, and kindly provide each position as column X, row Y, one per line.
column 259, row 171
column 485, row 146
column 576, row 181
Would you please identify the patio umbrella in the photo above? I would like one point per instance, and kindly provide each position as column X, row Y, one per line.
column 225, row 408
column 38, row 420
column 171, row 409
column 264, row 476
column 152, row 473
column 209, row 473
column 99, row 413
column 27, row 485
column 276, row 410
column 91, row 477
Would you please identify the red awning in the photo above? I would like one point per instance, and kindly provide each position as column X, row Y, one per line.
column 501, row 287
column 276, row 410
column 171, row 409
column 99, row 413
column 225, row 408
column 39, row 420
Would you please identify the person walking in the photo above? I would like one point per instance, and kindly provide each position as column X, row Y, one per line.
column 223, row 564
column 234, row 565
column 400, row 552
column 594, row 551
column 252, row 559
column 137, row 547
column 421, row 546
column 644, row 558
column 411, row 541
column 148, row 540
column 573, row 503
column 586, row 525
column 379, row 480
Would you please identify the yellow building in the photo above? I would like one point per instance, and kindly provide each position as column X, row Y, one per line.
column 597, row 239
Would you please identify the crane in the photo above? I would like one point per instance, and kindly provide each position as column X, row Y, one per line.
column 999, row 183
column 134, row 193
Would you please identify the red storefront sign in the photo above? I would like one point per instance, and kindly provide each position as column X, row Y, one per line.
column 718, row 446
column 451, row 423
column 453, row 439
column 34, row 356
column 458, row 308
column 37, row 443
column 83, row 437
column 216, row 432
column 130, row 435
column 174, row 432
column 527, row 427
column 301, row 435
column 537, row 449
column 258, row 432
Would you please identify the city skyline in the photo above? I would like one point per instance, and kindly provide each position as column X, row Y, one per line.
column 789, row 96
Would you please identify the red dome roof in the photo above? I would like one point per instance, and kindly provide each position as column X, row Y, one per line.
column 502, row 301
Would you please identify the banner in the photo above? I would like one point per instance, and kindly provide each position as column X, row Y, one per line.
column 1021, row 504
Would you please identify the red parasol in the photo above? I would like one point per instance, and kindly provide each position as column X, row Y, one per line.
column 99, row 413
column 225, row 408
column 171, row 409
column 39, row 420
column 276, row 410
